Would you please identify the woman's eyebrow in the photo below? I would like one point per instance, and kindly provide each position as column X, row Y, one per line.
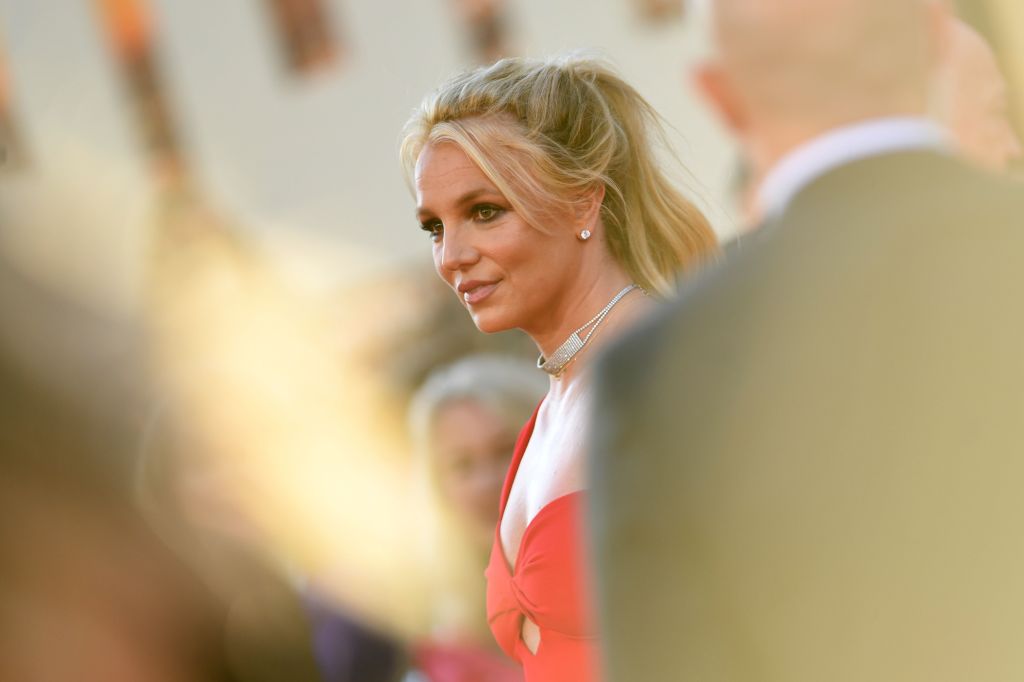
column 466, row 198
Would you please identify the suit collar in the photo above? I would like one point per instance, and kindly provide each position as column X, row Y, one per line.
column 839, row 147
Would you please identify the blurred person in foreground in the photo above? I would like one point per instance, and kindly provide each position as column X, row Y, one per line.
column 274, row 625
column 970, row 101
column 974, row 102
column 547, row 210
column 87, row 593
column 807, row 467
column 464, row 422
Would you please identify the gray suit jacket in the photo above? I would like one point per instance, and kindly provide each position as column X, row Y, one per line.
column 809, row 467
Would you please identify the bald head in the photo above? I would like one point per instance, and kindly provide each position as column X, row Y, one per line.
column 795, row 68
column 974, row 100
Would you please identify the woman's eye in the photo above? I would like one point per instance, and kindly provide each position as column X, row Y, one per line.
column 486, row 212
column 433, row 228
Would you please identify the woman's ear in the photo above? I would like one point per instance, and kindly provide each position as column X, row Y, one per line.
column 588, row 207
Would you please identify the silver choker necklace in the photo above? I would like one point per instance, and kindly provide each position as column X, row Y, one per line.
column 560, row 359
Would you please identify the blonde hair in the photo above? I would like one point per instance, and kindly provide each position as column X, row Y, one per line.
column 509, row 386
column 454, row 561
column 547, row 133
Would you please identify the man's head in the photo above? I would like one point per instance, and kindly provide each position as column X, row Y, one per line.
column 973, row 102
column 786, row 71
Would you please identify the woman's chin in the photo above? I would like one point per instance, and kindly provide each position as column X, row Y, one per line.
column 490, row 323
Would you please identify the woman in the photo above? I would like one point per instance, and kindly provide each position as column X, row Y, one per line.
column 538, row 187
column 464, row 421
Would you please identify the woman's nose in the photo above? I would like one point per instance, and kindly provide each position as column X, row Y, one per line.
column 457, row 250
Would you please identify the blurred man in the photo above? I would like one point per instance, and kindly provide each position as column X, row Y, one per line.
column 807, row 468
column 974, row 102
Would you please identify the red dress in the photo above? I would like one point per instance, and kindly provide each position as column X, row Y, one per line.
column 549, row 584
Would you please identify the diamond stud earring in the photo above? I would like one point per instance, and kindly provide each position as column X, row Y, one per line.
column 584, row 235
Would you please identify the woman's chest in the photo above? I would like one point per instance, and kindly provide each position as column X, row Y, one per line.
column 551, row 467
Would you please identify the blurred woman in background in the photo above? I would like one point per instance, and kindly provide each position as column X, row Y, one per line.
column 464, row 421
column 539, row 189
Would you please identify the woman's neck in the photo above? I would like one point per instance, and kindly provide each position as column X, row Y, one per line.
column 620, row 318
column 571, row 309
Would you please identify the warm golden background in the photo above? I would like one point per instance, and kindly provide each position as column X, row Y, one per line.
column 202, row 212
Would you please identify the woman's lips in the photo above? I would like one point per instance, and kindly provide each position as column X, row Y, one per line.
column 479, row 293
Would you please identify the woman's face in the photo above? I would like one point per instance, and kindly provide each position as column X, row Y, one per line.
column 507, row 274
column 472, row 447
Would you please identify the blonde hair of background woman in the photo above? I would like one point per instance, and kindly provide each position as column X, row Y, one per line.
column 511, row 388
column 547, row 132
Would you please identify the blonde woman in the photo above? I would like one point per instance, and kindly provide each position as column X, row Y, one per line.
column 464, row 421
column 538, row 186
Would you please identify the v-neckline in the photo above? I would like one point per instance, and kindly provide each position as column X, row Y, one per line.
column 521, row 445
column 510, row 568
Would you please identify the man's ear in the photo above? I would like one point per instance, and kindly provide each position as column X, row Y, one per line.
column 712, row 83
column 941, row 16
column 942, row 37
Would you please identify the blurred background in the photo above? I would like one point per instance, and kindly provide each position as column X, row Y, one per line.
column 284, row 115
column 216, row 308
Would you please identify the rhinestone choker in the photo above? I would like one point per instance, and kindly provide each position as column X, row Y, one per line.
column 560, row 359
